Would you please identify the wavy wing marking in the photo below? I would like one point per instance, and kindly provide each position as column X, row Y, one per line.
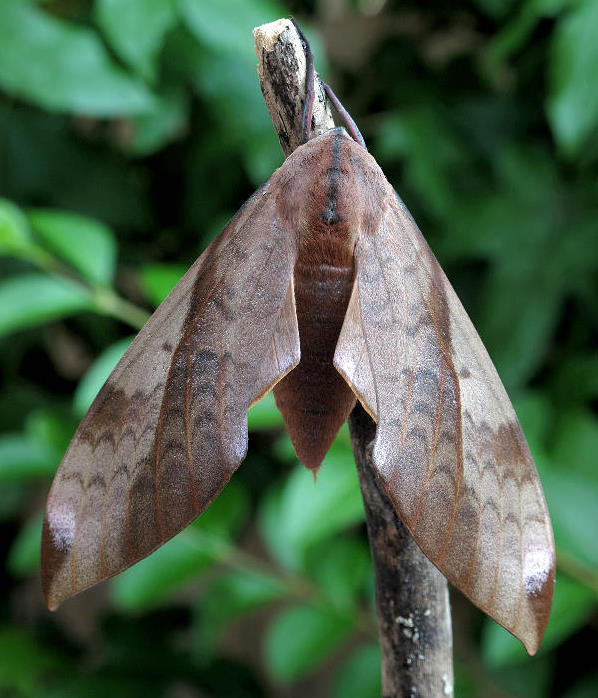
column 169, row 427
column 448, row 447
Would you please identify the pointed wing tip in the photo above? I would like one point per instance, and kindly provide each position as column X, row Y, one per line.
column 52, row 604
column 51, row 560
column 52, row 598
column 54, row 595
column 540, row 605
column 531, row 640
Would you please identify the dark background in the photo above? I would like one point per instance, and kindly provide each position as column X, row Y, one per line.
column 130, row 130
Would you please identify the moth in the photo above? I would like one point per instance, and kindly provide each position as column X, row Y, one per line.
column 322, row 289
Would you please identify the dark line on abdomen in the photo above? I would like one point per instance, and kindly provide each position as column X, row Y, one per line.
column 330, row 214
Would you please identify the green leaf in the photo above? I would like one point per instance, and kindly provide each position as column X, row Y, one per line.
column 524, row 217
column 532, row 678
column 523, row 349
column 227, row 26
column 576, row 378
column 226, row 515
column 22, row 458
column 225, row 82
column 305, row 512
column 572, row 605
column 264, row 414
column 32, row 299
column 301, row 638
column 231, row 596
column 573, row 101
column 431, row 150
column 495, row 8
column 536, row 414
column 52, row 427
column 158, row 280
column 15, row 236
column 172, row 566
column 342, row 568
column 573, row 504
column 575, row 443
column 14, row 498
column 465, row 679
column 223, row 75
column 136, row 30
column 97, row 374
column 154, row 129
column 518, row 30
column 64, row 67
column 360, row 675
column 86, row 244
column 16, row 239
column 24, row 554
column 24, row 663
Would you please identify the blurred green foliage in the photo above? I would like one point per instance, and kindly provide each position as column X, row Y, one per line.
column 129, row 131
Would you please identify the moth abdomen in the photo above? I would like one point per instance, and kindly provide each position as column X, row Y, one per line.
column 313, row 398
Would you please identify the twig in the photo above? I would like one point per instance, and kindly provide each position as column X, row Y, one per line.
column 281, row 70
column 411, row 595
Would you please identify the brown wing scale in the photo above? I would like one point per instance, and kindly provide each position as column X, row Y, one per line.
column 169, row 427
column 449, row 448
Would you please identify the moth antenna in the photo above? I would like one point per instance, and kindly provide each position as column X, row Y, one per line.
column 310, row 81
column 310, row 93
column 351, row 125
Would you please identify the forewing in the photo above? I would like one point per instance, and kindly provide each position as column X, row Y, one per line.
column 448, row 447
column 169, row 427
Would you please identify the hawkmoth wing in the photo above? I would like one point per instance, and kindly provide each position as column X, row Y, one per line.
column 169, row 427
column 323, row 288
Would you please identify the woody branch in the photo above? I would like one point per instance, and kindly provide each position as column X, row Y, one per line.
column 411, row 595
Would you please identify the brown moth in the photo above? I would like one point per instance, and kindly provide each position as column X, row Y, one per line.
column 323, row 289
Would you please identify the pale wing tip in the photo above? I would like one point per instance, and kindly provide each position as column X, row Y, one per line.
column 531, row 646
column 538, row 589
column 540, row 604
column 52, row 559
column 53, row 603
column 531, row 639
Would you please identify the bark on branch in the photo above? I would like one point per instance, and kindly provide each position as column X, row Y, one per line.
column 411, row 594
column 281, row 70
